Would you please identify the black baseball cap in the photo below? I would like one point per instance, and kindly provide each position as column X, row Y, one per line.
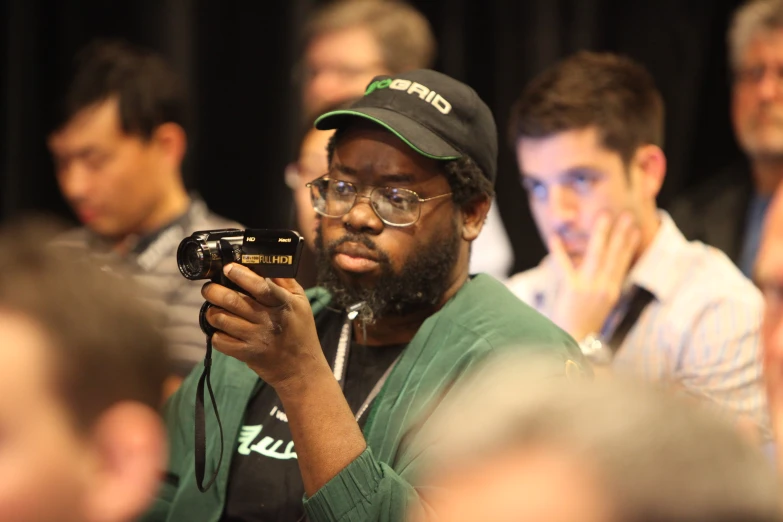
column 436, row 115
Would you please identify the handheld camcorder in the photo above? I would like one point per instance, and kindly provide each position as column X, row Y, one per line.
column 268, row 253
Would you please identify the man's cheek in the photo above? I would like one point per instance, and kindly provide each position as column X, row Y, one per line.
column 395, row 253
column 330, row 230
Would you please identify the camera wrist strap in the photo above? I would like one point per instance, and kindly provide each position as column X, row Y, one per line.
column 201, row 425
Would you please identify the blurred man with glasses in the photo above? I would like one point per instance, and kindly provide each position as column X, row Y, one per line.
column 321, row 393
column 728, row 209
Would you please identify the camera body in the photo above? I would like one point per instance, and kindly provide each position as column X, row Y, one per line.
column 268, row 253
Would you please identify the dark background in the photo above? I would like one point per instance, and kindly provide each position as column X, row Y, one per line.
column 238, row 57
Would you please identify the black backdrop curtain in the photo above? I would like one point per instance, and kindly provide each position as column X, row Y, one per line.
column 238, row 58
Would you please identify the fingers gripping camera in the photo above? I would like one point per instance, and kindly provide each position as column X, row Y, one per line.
column 268, row 253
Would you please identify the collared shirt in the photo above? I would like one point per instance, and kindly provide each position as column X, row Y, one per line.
column 151, row 260
column 700, row 333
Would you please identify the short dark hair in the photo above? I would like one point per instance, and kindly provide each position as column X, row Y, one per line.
column 106, row 346
column 149, row 92
column 403, row 34
column 611, row 92
column 466, row 179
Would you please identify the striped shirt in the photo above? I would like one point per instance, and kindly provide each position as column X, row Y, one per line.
column 152, row 262
column 700, row 332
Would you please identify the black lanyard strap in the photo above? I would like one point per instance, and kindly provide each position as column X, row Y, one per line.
column 200, row 430
column 641, row 298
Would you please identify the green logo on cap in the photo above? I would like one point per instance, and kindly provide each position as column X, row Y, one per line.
column 377, row 84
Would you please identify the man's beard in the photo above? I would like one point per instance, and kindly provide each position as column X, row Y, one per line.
column 419, row 285
column 763, row 141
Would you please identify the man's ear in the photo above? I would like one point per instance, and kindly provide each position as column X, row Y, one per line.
column 474, row 213
column 171, row 140
column 130, row 452
column 651, row 162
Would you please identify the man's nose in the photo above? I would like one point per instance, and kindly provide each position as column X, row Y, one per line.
column 562, row 205
column 769, row 87
column 73, row 180
column 362, row 217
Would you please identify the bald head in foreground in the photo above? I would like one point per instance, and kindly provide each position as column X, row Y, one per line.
column 604, row 451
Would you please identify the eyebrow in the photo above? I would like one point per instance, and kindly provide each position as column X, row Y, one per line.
column 572, row 171
column 397, row 177
column 392, row 177
column 348, row 171
column 579, row 169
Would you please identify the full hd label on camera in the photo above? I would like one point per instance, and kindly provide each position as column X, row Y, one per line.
column 267, row 260
column 277, row 260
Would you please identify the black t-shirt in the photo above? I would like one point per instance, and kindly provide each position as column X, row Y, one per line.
column 264, row 480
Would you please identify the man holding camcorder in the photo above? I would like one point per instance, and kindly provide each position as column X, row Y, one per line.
column 321, row 393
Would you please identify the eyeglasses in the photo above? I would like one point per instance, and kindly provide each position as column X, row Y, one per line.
column 755, row 74
column 394, row 206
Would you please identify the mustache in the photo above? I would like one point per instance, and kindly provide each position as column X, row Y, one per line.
column 774, row 114
column 331, row 248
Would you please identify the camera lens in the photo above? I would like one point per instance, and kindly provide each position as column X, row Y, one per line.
column 192, row 260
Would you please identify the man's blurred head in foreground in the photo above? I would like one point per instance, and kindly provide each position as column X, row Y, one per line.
column 81, row 373
column 609, row 451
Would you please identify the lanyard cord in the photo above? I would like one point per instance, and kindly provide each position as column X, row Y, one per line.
column 339, row 369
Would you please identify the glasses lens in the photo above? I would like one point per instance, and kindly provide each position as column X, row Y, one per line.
column 396, row 206
column 332, row 198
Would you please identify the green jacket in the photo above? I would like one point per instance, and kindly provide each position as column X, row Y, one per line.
column 379, row 485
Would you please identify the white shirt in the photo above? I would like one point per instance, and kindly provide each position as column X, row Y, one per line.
column 491, row 252
column 701, row 330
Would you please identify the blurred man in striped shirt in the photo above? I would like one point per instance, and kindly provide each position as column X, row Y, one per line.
column 118, row 147
column 620, row 277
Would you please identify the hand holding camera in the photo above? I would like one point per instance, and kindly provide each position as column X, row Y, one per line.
column 255, row 311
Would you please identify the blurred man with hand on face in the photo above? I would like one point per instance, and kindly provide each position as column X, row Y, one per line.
column 118, row 149
column 620, row 277
column 82, row 365
column 320, row 394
